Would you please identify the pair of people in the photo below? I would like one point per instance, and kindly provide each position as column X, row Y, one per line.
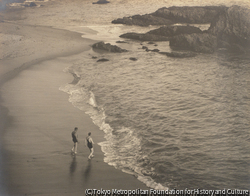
column 88, row 142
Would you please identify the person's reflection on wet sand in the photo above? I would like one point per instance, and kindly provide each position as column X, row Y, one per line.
column 86, row 173
column 73, row 165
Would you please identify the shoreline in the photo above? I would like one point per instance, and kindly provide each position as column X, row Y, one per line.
column 17, row 154
column 39, row 53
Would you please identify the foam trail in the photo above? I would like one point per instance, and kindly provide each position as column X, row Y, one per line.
column 122, row 148
column 92, row 100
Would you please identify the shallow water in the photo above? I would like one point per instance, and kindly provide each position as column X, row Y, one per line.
column 177, row 123
column 182, row 123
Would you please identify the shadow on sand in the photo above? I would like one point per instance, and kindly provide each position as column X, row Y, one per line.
column 73, row 165
column 86, row 173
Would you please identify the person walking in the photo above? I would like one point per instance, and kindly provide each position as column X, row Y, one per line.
column 90, row 144
column 75, row 140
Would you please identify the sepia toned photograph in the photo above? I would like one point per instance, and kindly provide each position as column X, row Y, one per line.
column 124, row 97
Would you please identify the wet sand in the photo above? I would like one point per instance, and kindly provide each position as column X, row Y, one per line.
column 37, row 119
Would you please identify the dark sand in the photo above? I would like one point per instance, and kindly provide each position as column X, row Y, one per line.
column 37, row 119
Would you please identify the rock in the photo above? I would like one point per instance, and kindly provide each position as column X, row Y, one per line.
column 144, row 37
column 171, row 15
column 236, row 48
column 94, row 57
column 151, row 43
column 142, row 20
column 133, row 59
column 155, row 50
column 179, row 54
column 145, row 48
column 203, row 43
column 102, row 60
column 121, row 42
column 162, row 33
column 190, row 14
column 232, row 28
column 108, row 47
column 101, row 2
column 32, row 4
column 170, row 31
column 223, row 44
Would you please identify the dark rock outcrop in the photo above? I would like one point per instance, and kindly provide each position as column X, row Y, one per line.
column 171, row 15
column 179, row 54
column 155, row 50
column 144, row 37
column 232, row 27
column 148, row 50
column 121, row 42
column 203, row 43
column 192, row 15
column 133, row 59
column 108, row 47
column 142, row 20
column 31, row 4
column 151, row 42
column 102, row 60
column 230, row 30
column 170, row 31
column 145, row 48
column 101, row 2
column 162, row 33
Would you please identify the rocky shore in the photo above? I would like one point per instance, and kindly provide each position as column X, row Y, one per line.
column 229, row 28
column 171, row 15
column 162, row 34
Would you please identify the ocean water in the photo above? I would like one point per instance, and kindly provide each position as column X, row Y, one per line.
column 173, row 123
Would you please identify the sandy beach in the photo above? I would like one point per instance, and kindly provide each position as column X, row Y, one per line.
column 37, row 119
